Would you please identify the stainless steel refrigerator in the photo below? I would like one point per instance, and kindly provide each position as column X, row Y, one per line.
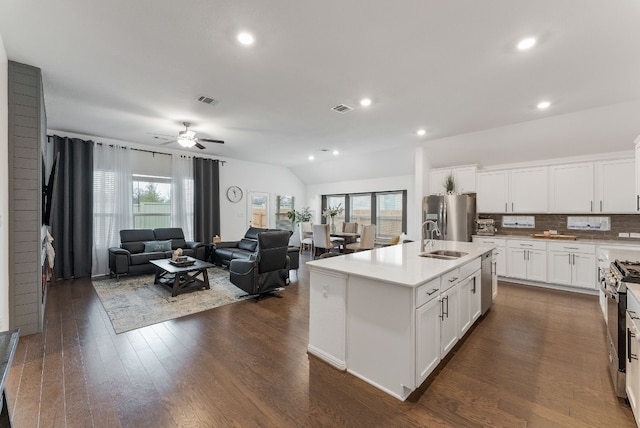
column 455, row 214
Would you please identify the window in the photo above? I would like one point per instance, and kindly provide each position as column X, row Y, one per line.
column 284, row 204
column 151, row 201
column 387, row 210
column 389, row 214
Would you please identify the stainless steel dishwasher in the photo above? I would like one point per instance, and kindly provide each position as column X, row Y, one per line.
column 486, row 281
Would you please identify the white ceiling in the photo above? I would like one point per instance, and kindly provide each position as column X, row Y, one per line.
column 121, row 69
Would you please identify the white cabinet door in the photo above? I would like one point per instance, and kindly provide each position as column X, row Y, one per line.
column 615, row 187
column 464, row 306
column 501, row 261
column 436, row 181
column 475, row 305
column 491, row 196
column 449, row 323
column 529, row 190
column 537, row 265
column 517, row 263
column 572, row 188
column 560, row 267
column 633, row 368
column 427, row 339
column 465, row 179
column 584, row 270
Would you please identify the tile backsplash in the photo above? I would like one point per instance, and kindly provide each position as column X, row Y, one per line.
column 620, row 223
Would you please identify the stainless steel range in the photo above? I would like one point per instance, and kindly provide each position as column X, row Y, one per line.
column 614, row 285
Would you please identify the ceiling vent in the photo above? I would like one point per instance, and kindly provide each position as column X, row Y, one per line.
column 341, row 108
column 207, row 100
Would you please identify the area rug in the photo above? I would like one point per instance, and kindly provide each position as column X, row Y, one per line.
column 137, row 302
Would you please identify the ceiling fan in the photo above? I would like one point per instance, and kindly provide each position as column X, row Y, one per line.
column 188, row 138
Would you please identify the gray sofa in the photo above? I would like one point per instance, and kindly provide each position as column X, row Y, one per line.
column 139, row 246
column 246, row 248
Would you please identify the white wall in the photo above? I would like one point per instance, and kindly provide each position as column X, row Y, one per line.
column 404, row 182
column 254, row 177
column 4, row 189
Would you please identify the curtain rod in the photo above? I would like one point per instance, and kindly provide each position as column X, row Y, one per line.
column 142, row 150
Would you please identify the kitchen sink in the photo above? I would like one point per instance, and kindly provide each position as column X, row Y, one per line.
column 443, row 254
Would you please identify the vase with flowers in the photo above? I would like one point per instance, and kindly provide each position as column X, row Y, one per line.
column 330, row 212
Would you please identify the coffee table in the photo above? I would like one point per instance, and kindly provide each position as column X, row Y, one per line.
column 182, row 279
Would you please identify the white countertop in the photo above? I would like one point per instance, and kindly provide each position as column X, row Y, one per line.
column 400, row 264
column 599, row 242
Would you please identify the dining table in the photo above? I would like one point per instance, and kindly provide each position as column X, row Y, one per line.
column 347, row 238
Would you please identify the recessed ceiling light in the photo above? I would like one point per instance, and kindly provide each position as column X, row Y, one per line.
column 543, row 105
column 246, row 38
column 336, row 153
column 311, row 157
column 365, row 102
column 526, row 43
column 421, row 132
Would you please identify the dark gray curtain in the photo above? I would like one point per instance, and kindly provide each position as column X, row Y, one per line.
column 72, row 207
column 206, row 221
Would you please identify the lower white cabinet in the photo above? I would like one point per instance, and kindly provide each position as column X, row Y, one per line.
column 449, row 317
column 527, row 260
column 476, row 297
column 469, row 306
column 427, row 338
column 500, row 252
column 632, row 385
column 572, row 264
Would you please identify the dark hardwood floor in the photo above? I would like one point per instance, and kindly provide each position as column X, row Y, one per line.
column 537, row 359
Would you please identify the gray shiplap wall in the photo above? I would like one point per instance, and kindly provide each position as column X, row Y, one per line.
column 27, row 132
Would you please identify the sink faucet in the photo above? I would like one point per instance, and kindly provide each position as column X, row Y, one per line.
column 433, row 230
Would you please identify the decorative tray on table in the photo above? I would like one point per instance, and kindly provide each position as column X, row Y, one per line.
column 183, row 261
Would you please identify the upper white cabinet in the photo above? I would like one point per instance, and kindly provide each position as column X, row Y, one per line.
column 522, row 190
column 572, row 188
column 464, row 177
column 615, row 186
column 492, row 192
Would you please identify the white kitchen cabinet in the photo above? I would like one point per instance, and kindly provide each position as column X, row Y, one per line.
column 572, row 264
column 476, row 298
column 449, row 320
column 615, row 187
column 469, row 302
column 500, row 252
column 492, row 192
column 427, row 338
column 529, row 190
column 572, row 188
column 521, row 190
column 464, row 177
column 527, row 260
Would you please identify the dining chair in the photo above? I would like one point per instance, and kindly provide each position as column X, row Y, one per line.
column 350, row 227
column 306, row 235
column 367, row 240
column 321, row 238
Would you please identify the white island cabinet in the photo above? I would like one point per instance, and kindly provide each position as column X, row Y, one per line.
column 388, row 316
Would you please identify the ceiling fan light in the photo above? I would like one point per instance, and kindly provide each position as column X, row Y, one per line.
column 186, row 141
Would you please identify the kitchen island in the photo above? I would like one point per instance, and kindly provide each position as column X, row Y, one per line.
column 389, row 316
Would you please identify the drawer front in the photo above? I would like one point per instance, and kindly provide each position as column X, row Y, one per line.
column 449, row 279
column 572, row 247
column 499, row 242
column 527, row 245
column 470, row 268
column 427, row 291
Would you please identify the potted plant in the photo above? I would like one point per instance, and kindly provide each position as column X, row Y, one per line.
column 299, row 216
column 330, row 213
column 449, row 184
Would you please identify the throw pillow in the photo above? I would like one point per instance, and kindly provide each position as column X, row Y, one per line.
column 247, row 244
column 157, row 246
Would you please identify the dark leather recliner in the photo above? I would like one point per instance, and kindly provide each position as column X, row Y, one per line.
column 268, row 269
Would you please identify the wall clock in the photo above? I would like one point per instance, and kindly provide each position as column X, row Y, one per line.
column 234, row 194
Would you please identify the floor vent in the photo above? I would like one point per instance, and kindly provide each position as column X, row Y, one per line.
column 342, row 108
column 208, row 100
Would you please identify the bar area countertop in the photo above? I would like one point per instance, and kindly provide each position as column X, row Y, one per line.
column 401, row 264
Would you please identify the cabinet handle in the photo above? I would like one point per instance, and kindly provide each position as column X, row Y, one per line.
column 633, row 315
column 442, row 309
column 591, row 202
column 473, row 290
column 447, row 313
column 630, row 356
column 569, row 258
column 526, row 245
column 507, row 209
column 637, row 202
column 600, row 206
column 454, row 279
column 512, row 209
column 432, row 291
